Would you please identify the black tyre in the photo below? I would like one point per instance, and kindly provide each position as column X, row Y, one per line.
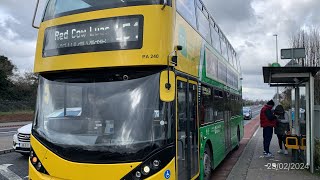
column 207, row 158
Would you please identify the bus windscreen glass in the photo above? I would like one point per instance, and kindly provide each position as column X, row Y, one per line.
column 115, row 121
column 58, row 8
column 117, row 33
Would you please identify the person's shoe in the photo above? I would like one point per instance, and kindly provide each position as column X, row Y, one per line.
column 285, row 152
column 280, row 151
column 264, row 153
column 269, row 155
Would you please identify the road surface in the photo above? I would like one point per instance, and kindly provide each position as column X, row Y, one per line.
column 255, row 112
column 13, row 166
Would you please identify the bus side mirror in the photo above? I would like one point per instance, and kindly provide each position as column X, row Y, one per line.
column 167, row 86
column 178, row 48
column 37, row 14
column 34, row 16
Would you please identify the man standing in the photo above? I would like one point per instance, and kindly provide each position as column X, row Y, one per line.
column 267, row 121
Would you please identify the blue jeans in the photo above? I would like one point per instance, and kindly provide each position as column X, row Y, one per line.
column 267, row 136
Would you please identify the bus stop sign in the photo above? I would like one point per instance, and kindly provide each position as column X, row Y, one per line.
column 293, row 53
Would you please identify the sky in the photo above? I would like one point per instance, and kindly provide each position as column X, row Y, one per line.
column 248, row 24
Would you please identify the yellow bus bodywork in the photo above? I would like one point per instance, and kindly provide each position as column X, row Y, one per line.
column 191, row 41
column 58, row 168
column 157, row 40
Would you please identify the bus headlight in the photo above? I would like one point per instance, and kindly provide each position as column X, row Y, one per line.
column 38, row 166
column 35, row 161
column 146, row 170
column 152, row 164
column 156, row 164
column 31, row 154
column 138, row 174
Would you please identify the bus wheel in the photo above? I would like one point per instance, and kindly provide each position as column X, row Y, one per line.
column 207, row 157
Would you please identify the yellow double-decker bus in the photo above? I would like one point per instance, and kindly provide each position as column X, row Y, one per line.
column 133, row 89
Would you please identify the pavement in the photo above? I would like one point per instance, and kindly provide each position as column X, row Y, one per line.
column 252, row 165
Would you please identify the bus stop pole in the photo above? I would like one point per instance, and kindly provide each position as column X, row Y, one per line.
column 297, row 111
column 295, row 153
column 308, row 119
column 311, row 123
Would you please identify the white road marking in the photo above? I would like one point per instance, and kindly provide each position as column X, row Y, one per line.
column 7, row 173
column 255, row 133
column 8, row 132
column 273, row 160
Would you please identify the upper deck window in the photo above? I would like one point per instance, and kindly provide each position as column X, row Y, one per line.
column 58, row 8
column 215, row 39
column 224, row 49
column 203, row 25
column 187, row 11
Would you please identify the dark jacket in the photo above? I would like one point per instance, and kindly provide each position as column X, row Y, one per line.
column 267, row 119
column 282, row 125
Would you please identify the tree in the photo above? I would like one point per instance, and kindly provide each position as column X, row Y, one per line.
column 285, row 101
column 310, row 40
column 17, row 91
column 6, row 66
column 25, row 87
column 6, row 72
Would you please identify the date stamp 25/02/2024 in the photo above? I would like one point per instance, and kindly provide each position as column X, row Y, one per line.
column 286, row 166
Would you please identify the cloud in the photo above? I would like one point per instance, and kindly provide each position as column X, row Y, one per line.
column 22, row 12
column 17, row 37
column 8, row 33
column 258, row 94
column 230, row 10
column 250, row 24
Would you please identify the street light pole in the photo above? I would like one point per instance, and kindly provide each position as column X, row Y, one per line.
column 277, row 47
column 276, row 35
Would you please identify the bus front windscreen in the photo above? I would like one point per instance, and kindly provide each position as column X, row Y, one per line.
column 86, row 120
column 58, row 8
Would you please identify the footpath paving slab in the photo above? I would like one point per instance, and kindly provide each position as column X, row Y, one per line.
column 252, row 165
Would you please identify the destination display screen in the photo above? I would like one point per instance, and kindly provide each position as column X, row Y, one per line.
column 117, row 33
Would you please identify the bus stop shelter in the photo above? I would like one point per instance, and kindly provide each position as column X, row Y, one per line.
column 296, row 77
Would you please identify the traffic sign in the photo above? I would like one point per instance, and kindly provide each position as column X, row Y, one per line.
column 293, row 53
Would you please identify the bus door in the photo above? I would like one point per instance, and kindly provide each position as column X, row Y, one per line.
column 187, row 130
column 227, row 121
